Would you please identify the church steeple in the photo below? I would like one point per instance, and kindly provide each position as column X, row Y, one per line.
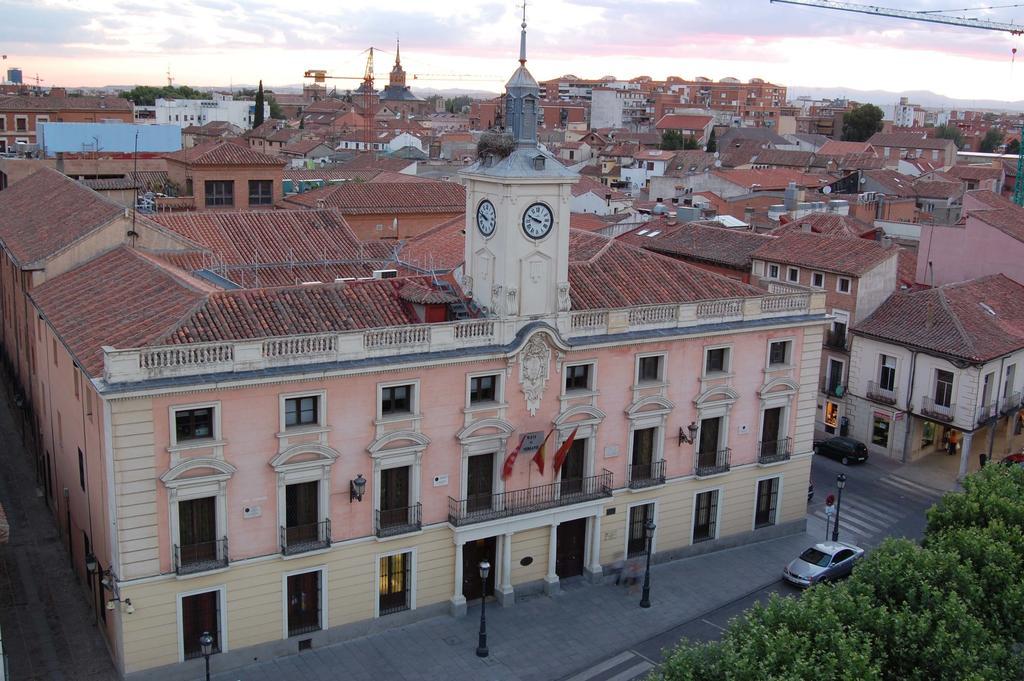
column 397, row 72
column 522, row 98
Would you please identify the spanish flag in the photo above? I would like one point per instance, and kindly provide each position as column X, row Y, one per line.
column 538, row 458
column 506, row 469
column 563, row 452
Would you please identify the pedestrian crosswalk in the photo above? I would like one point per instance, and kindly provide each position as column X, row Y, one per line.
column 625, row 666
column 864, row 515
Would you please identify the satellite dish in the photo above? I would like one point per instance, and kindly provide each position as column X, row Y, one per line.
column 826, row 190
column 716, row 154
column 718, row 163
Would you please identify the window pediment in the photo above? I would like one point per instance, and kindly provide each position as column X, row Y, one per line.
column 197, row 470
column 485, row 429
column 397, row 442
column 304, row 455
column 778, row 387
column 719, row 394
column 579, row 416
column 652, row 405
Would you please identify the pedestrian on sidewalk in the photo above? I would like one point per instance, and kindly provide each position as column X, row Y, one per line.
column 633, row 571
column 954, row 438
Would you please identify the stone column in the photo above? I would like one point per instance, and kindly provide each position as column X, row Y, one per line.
column 458, row 603
column 965, row 452
column 505, row 595
column 551, row 578
column 593, row 570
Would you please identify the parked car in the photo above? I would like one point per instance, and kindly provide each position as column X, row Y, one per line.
column 843, row 449
column 1013, row 459
column 824, row 562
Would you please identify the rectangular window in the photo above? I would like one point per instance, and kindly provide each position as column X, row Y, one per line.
column 479, row 482
column 301, row 411
column 636, row 544
column 577, row 377
column 197, row 534
column 220, row 193
column 573, row 467
column 396, row 399
column 986, row 389
column 943, row 388
column 705, row 516
column 200, row 613
column 21, row 123
column 261, row 192
column 304, row 528
column 193, row 424
column 887, row 373
column 81, row 469
column 817, row 280
column 395, row 583
column 767, row 502
column 304, row 603
column 483, row 389
column 3, row 122
column 843, row 284
column 1008, row 382
column 649, row 368
column 880, row 432
column 793, row 275
column 716, row 360
column 778, row 353
column 773, row 271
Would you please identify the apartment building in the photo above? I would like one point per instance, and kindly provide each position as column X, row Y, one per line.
column 283, row 466
column 224, row 175
column 20, row 116
column 928, row 363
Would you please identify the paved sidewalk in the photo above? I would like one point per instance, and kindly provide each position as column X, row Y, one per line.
column 541, row 638
column 48, row 628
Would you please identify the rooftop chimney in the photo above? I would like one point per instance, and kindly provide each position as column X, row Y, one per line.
column 806, row 228
column 886, row 241
column 790, row 197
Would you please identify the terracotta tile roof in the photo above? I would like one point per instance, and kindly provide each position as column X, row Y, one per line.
column 853, row 257
column 689, row 162
column 906, row 267
column 588, row 222
column 266, row 248
column 977, row 320
column 44, row 213
column 784, row 157
column 17, row 103
column 369, row 198
column 330, row 172
column 770, row 178
column 829, row 224
column 909, row 140
column 763, row 136
column 80, row 304
column 740, row 153
column 892, row 183
column 368, row 162
column 965, row 172
column 997, row 212
column 840, row 148
column 654, row 155
column 418, row 292
column 111, row 183
column 438, row 248
column 221, row 153
column 303, row 146
column 716, row 245
column 587, row 185
column 151, row 180
column 847, row 162
column 682, row 122
column 604, row 273
column 937, row 189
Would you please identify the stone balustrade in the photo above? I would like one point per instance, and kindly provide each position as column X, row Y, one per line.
column 142, row 364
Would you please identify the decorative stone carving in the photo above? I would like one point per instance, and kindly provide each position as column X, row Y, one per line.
column 513, row 307
column 497, row 301
column 534, row 361
column 467, row 285
column 564, row 302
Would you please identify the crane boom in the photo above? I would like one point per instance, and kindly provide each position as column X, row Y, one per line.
column 983, row 24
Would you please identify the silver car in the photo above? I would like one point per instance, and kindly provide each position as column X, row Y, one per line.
column 823, row 562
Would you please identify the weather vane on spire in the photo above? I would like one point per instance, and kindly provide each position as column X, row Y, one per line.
column 522, row 37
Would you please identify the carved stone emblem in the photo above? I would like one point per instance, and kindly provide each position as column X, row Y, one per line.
column 534, row 362
column 513, row 307
column 564, row 302
column 467, row 284
column 497, row 303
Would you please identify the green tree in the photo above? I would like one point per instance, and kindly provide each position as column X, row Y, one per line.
column 672, row 140
column 950, row 132
column 712, row 142
column 257, row 119
column 690, row 143
column 1013, row 147
column 861, row 123
column 275, row 108
column 146, row 95
column 991, row 141
column 457, row 104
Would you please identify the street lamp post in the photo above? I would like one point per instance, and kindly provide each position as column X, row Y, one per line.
column 206, row 643
column 645, row 597
column 840, row 484
column 481, row 645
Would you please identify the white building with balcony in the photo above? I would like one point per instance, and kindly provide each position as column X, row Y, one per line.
column 945, row 361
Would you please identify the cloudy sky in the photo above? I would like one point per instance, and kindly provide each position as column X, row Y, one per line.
column 216, row 42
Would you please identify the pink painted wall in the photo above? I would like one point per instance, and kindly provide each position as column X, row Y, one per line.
column 250, row 422
column 967, row 252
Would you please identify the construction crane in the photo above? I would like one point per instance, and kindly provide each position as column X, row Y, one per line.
column 320, row 77
column 933, row 18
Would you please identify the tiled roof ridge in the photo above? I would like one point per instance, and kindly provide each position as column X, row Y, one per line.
column 171, row 271
column 601, row 251
column 955, row 319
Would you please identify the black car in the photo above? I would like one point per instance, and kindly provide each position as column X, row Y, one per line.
column 843, row 449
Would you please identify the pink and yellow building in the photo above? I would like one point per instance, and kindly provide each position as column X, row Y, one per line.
column 285, row 466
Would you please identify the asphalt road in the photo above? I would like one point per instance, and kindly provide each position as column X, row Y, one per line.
column 876, row 503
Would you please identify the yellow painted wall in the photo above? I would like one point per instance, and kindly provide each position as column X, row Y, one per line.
column 530, row 543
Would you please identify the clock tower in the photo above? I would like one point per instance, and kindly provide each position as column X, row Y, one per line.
column 517, row 214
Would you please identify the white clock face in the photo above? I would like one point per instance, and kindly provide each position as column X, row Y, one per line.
column 537, row 221
column 486, row 218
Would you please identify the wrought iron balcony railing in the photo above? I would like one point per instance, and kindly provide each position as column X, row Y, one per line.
column 711, row 462
column 647, row 474
column 942, row 412
column 520, row 501
column 774, row 451
column 201, row 556
column 879, row 394
column 393, row 521
column 308, row 537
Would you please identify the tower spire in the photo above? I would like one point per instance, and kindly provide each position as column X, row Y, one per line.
column 398, row 51
column 522, row 39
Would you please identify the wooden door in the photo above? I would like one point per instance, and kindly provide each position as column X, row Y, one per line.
column 770, row 435
column 472, row 554
column 199, row 614
column 637, row 543
column 643, row 454
column 197, row 529
column 571, row 544
column 394, row 496
column 709, row 431
column 303, row 603
column 573, row 467
column 302, row 511
column 479, row 482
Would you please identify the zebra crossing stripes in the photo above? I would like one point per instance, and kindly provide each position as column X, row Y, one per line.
column 625, row 666
column 867, row 518
column 909, row 487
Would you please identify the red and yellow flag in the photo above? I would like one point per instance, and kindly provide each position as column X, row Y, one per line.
column 506, row 469
column 563, row 452
column 538, row 458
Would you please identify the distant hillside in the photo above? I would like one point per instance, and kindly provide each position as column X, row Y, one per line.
column 925, row 98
